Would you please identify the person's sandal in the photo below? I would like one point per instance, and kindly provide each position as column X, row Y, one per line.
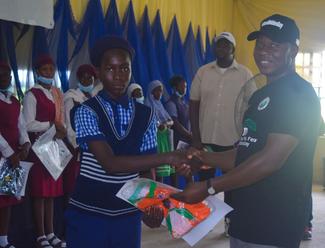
column 57, row 243
column 43, row 243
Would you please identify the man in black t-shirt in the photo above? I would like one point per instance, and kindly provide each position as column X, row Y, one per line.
column 270, row 172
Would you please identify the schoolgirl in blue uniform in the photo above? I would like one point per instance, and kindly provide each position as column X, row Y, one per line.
column 112, row 130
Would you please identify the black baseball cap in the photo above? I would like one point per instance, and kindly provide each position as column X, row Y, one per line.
column 278, row 28
column 106, row 43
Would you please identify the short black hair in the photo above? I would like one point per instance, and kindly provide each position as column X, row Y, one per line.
column 176, row 79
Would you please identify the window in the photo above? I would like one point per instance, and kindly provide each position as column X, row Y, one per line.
column 311, row 66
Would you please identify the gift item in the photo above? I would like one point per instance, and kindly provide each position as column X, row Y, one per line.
column 180, row 217
column 165, row 144
column 11, row 180
column 53, row 153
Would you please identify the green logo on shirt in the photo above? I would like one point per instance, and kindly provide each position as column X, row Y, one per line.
column 250, row 124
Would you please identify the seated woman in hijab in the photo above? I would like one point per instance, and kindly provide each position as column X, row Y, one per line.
column 164, row 134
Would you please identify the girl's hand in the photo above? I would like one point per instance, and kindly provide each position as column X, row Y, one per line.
column 153, row 216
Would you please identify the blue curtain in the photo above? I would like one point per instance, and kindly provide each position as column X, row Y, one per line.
column 148, row 47
column 7, row 30
column 139, row 67
column 3, row 49
column 92, row 24
column 156, row 57
column 64, row 23
column 176, row 52
column 192, row 56
column 160, row 46
column 209, row 54
column 112, row 21
column 40, row 45
column 199, row 46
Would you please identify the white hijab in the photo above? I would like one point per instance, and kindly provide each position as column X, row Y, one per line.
column 133, row 87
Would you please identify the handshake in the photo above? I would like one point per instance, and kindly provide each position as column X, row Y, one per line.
column 188, row 161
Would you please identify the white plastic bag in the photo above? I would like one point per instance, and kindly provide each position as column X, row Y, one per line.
column 53, row 153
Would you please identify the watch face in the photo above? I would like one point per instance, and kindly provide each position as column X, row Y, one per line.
column 211, row 191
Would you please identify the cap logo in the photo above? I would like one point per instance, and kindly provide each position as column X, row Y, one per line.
column 273, row 23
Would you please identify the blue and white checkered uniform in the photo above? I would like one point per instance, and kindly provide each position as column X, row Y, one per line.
column 87, row 128
column 122, row 128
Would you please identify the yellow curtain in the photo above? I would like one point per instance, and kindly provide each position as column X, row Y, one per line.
column 237, row 16
column 215, row 14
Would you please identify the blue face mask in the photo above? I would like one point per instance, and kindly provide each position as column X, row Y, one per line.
column 140, row 99
column 45, row 80
column 86, row 89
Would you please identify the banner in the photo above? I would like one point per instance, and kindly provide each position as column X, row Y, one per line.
column 32, row 12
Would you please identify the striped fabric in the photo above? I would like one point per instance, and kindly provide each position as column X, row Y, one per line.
column 129, row 129
column 91, row 169
column 104, row 211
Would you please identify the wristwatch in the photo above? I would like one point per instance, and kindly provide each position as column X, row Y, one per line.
column 211, row 190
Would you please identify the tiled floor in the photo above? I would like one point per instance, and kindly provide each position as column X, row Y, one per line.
column 159, row 238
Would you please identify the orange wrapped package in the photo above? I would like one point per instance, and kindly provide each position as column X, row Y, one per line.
column 180, row 217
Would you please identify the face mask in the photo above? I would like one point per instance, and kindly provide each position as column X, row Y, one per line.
column 140, row 99
column 179, row 94
column 86, row 89
column 45, row 80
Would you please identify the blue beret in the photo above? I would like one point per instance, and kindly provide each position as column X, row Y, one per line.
column 106, row 43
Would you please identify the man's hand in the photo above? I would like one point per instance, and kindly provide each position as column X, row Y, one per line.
column 195, row 159
column 24, row 150
column 184, row 170
column 61, row 131
column 178, row 158
column 14, row 159
column 193, row 193
column 192, row 151
column 186, row 162
column 153, row 216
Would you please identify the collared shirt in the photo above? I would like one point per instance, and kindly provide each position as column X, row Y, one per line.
column 217, row 91
column 29, row 110
column 87, row 124
column 5, row 148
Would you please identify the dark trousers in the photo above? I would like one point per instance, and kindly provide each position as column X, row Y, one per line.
column 210, row 173
column 310, row 215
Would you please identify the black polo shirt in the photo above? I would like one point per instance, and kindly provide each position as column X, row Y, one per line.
column 274, row 210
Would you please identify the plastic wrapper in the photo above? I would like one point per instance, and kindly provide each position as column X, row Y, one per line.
column 53, row 153
column 180, row 217
column 11, row 179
